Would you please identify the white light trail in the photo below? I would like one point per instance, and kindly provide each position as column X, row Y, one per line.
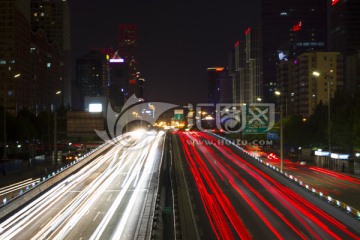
column 136, row 159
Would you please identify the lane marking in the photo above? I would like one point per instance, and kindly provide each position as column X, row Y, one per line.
column 108, row 199
column 97, row 214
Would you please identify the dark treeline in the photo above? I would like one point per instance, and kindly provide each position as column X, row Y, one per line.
column 29, row 128
column 314, row 132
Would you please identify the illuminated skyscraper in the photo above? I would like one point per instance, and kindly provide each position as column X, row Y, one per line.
column 91, row 75
column 127, row 51
column 34, row 54
column 15, row 38
column 214, row 75
column 53, row 17
column 118, row 81
column 345, row 38
column 290, row 28
column 247, row 78
column 301, row 89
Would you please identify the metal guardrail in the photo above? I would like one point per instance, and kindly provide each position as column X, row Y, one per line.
column 347, row 208
column 48, row 177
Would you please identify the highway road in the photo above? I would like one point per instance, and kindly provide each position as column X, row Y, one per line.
column 340, row 186
column 12, row 190
column 113, row 197
column 233, row 197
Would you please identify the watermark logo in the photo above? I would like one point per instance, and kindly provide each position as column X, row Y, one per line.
column 255, row 118
column 134, row 109
column 222, row 142
column 228, row 117
column 260, row 118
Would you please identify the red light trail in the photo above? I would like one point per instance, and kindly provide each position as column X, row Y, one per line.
column 222, row 176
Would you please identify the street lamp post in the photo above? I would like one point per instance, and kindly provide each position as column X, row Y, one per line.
column 59, row 94
column 5, row 134
column 55, row 159
column 278, row 93
column 281, row 141
column 317, row 74
column 5, row 106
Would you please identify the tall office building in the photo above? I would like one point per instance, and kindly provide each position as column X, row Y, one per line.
column 15, row 42
column 127, row 51
column 237, row 71
column 140, row 88
column 214, row 75
column 310, row 79
column 290, row 28
column 118, row 81
column 345, row 38
column 53, row 17
column 46, row 61
column 91, row 75
column 31, row 67
column 247, row 78
column 253, row 85
column 136, row 86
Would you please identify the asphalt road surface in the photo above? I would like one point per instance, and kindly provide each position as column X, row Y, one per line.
column 235, row 198
column 105, row 199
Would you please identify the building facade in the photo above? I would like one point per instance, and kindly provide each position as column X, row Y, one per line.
column 53, row 17
column 345, row 38
column 118, row 81
column 310, row 79
column 47, row 68
column 247, row 78
column 15, row 43
column 92, row 75
column 214, row 75
column 290, row 28
column 237, row 71
column 127, row 51
column 33, row 67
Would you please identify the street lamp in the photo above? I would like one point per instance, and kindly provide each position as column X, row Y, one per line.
column 278, row 93
column 317, row 74
column 59, row 93
column 55, row 159
column 5, row 105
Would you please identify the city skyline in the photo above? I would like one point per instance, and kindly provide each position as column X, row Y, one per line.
column 177, row 42
column 245, row 123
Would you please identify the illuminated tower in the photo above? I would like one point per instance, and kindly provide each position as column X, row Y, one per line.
column 345, row 38
column 247, row 77
column 214, row 75
column 252, row 81
column 91, row 75
column 290, row 28
column 15, row 69
column 53, row 17
column 127, row 51
column 118, row 81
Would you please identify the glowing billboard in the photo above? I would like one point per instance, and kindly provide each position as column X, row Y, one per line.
column 95, row 107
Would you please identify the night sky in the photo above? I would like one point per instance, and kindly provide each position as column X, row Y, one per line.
column 177, row 40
